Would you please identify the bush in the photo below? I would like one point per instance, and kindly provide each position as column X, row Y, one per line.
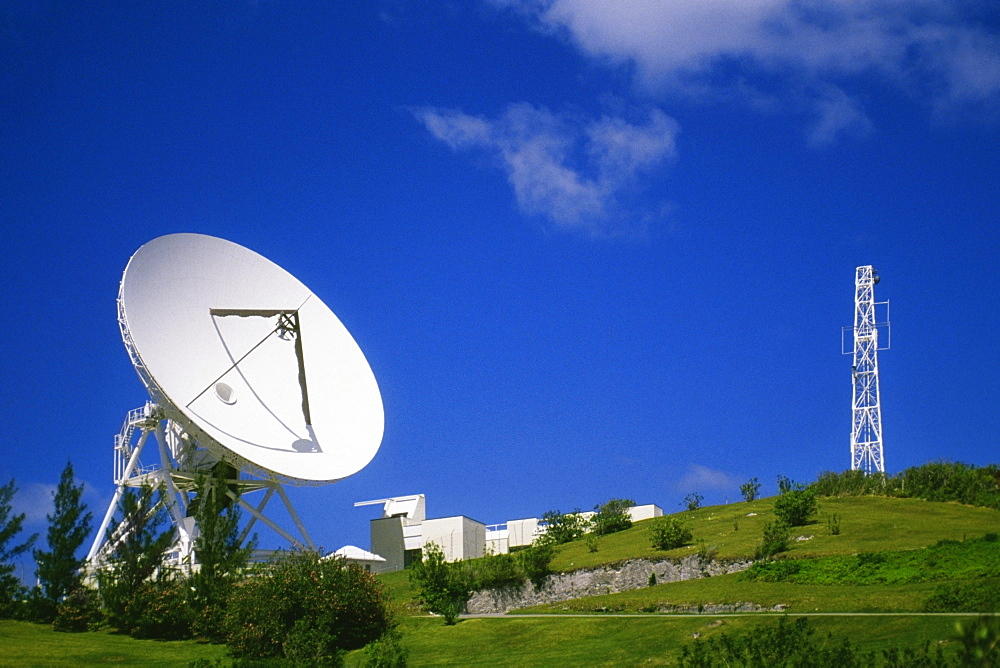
column 387, row 652
column 668, row 533
column 443, row 587
column 774, row 541
column 980, row 642
column 796, row 507
column 612, row 516
column 782, row 570
column 784, row 644
column 495, row 571
column 979, row 596
column 78, row 612
column 534, row 561
column 303, row 605
column 936, row 481
column 563, row 527
column 160, row 610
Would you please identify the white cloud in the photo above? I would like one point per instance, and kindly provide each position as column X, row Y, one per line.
column 700, row 478
column 942, row 50
column 35, row 500
column 568, row 169
column 837, row 114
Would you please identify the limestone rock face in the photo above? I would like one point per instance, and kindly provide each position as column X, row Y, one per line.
column 632, row 574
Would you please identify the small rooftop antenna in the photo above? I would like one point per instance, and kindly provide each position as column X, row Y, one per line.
column 866, row 406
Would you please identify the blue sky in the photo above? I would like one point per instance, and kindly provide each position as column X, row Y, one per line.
column 590, row 249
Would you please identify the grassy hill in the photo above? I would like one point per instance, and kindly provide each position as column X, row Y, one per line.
column 820, row 575
column 732, row 532
column 902, row 531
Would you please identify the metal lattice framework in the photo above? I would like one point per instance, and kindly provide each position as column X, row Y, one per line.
column 183, row 453
column 866, row 407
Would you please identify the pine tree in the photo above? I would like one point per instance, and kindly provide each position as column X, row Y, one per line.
column 69, row 525
column 221, row 557
column 138, row 546
column 10, row 525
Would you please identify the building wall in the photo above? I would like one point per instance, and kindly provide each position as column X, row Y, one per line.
column 459, row 537
column 387, row 542
column 646, row 512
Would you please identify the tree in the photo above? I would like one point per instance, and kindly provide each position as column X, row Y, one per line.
column 612, row 516
column 693, row 501
column 443, row 587
column 69, row 525
column 221, row 557
column 10, row 525
column 750, row 489
column 563, row 527
column 137, row 548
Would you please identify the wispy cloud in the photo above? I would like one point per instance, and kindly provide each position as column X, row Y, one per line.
column 35, row 500
column 945, row 51
column 698, row 478
column 571, row 170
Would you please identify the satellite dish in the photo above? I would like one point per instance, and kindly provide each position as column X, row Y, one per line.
column 245, row 365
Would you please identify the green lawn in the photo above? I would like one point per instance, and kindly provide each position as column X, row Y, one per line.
column 623, row 641
column 867, row 524
column 27, row 644
column 730, row 589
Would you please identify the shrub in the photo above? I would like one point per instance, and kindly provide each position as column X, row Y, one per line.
column 612, row 516
column 495, row 571
column 591, row 540
column 534, row 561
column 563, row 527
column 980, row 642
column 78, row 612
column 668, row 533
column 443, row 587
column 160, row 610
column 303, row 605
column 796, row 507
column 386, row 652
column 774, row 541
column 782, row 570
column 979, row 596
column 784, row 644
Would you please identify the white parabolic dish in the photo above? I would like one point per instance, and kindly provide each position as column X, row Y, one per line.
column 239, row 350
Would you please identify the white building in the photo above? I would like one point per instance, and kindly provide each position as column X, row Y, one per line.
column 399, row 536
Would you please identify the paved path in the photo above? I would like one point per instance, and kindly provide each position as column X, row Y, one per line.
column 731, row 614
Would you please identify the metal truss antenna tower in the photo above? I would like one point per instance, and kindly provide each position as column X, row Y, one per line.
column 866, row 407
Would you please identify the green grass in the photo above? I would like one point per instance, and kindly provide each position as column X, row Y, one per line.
column 867, row 524
column 944, row 561
column 730, row 589
column 27, row 644
column 623, row 641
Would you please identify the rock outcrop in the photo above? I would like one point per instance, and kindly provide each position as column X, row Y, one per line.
column 632, row 574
